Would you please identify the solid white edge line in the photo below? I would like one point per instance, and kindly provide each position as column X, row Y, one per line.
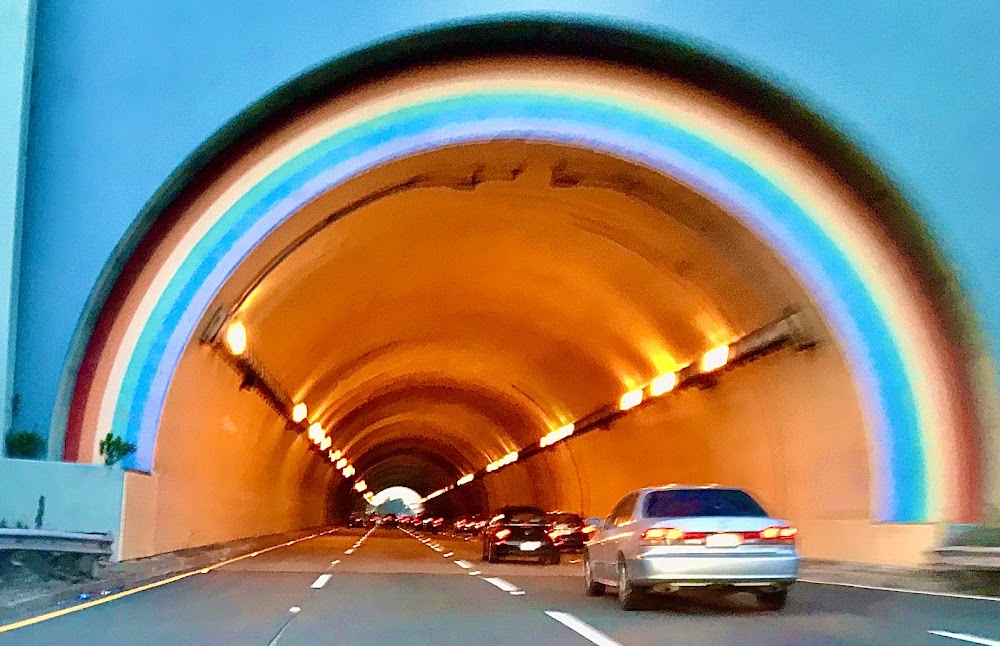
column 972, row 639
column 506, row 586
column 320, row 581
column 952, row 595
column 581, row 628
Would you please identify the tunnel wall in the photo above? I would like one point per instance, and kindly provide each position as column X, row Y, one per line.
column 806, row 465
column 230, row 470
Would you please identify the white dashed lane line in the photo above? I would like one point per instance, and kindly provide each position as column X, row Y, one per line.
column 582, row 629
column 465, row 565
column 322, row 580
column 506, row 586
column 969, row 639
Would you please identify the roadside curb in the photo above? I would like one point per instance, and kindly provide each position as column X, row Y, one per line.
column 929, row 578
column 117, row 576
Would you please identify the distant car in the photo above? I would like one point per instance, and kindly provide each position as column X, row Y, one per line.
column 666, row 539
column 389, row 520
column 568, row 531
column 470, row 525
column 357, row 520
column 521, row 532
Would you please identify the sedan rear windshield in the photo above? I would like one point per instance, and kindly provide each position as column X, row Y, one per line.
column 564, row 519
column 683, row 503
column 523, row 515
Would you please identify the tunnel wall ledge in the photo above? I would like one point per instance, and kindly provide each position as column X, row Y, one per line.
column 78, row 497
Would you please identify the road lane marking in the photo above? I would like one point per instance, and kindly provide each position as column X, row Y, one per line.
column 465, row 565
column 149, row 586
column 506, row 586
column 295, row 610
column 475, row 573
column 517, row 592
column 332, row 563
column 582, row 629
column 953, row 595
column 320, row 581
column 972, row 639
column 448, row 554
column 349, row 552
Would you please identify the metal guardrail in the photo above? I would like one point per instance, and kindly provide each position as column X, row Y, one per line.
column 48, row 541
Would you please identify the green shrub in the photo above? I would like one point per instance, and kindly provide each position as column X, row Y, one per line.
column 115, row 449
column 25, row 445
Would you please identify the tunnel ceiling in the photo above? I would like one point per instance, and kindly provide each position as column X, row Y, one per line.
column 465, row 302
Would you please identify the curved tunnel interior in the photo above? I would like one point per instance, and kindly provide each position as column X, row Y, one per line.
column 446, row 310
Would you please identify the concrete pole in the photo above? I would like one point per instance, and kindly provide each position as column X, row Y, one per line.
column 17, row 34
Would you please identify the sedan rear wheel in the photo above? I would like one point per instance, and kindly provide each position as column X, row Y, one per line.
column 630, row 597
column 594, row 588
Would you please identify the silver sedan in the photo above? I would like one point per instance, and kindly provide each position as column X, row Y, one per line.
column 664, row 539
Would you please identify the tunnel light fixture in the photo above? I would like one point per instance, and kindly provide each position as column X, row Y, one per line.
column 466, row 479
column 360, row 486
column 236, row 338
column 348, row 471
column 510, row 458
column 325, row 444
column 336, row 455
column 631, row 399
column 299, row 412
column 316, row 432
column 663, row 384
column 559, row 434
column 341, row 463
column 434, row 495
column 714, row 359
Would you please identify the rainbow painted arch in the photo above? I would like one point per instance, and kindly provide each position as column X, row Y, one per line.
column 909, row 453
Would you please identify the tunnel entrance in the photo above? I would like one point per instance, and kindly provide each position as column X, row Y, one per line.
column 513, row 281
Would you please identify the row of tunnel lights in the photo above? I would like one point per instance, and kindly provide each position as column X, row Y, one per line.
column 711, row 361
column 714, row 359
column 237, row 341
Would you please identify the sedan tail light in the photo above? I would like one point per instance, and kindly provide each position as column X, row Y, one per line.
column 502, row 534
column 589, row 529
column 779, row 533
column 662, row 534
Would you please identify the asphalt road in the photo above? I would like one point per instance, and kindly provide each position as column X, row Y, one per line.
column 389, row 587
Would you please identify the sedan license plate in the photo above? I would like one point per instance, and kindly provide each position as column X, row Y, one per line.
column 723, row 540
column 530, row 546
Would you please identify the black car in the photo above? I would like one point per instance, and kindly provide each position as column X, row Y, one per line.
column 357, row 520
column 520, row 532
column 568, row 531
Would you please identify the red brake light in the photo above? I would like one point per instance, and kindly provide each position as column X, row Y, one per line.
column 502, row 534
column 662, row 534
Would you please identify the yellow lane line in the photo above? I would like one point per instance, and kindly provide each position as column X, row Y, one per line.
column 142, row 588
